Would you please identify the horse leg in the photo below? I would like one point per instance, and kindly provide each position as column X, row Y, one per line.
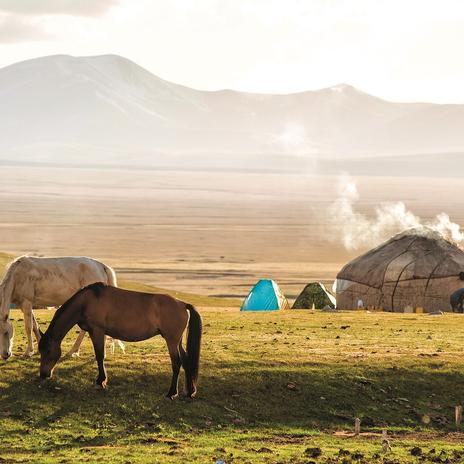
column 27, row 311
column 98, row 340
column 35, row 328
column 176, row 362
column 113, row 341
column 122, row 346
column 74, row 351
column 188, row 388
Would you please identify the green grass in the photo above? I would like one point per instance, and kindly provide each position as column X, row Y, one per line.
column 272, row 385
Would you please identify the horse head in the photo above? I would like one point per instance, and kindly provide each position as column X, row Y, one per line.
column 6, row 337
column 50, row 353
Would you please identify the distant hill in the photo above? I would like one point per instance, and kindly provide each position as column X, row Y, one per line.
column 108, row 110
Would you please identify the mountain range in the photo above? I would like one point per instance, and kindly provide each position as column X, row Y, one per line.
column 108, row 110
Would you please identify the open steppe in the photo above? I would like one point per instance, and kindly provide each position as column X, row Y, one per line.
column 210, row 233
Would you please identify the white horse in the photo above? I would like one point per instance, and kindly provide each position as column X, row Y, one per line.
column 31, row 281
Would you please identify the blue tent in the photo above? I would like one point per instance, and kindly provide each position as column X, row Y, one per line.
column 265, row 296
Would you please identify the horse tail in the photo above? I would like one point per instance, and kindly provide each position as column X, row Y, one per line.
column 195, row 328
column 111, row 275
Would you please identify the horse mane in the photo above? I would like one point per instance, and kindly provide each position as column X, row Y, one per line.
column 96, row 290
column 9, row 270
column 7, row 284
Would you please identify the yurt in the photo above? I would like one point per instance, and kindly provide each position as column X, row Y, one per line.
column 265, row 296
column 316, row 296
column 415, row 271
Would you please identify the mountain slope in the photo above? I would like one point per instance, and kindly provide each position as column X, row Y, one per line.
column 108, row 109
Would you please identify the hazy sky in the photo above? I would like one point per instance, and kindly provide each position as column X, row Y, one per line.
column 396, row 49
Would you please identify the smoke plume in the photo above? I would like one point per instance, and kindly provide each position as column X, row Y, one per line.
column 358, row 230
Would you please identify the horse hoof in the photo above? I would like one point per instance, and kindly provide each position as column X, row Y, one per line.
column 101, row 386
column 171, row 397
column 28, row 354
column 75, row 355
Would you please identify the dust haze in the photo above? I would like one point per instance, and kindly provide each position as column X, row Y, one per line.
column 210, row 233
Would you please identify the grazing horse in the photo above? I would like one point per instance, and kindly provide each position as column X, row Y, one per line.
column 130, row 316
column 33, row 281
column 457, row 301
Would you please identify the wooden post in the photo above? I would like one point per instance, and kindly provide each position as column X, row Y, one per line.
column 458, row 415
column 357, row 426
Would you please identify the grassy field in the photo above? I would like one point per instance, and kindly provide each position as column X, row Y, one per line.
column 274, row 388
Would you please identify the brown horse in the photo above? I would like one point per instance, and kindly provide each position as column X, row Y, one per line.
column 131, row 316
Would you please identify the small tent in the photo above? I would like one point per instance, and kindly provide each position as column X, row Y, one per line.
column 265, row 296
column 314, row 295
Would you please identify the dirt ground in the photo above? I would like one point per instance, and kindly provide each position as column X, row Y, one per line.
column 202, row 232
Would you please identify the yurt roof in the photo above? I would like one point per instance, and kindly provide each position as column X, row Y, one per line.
column 414, row 254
